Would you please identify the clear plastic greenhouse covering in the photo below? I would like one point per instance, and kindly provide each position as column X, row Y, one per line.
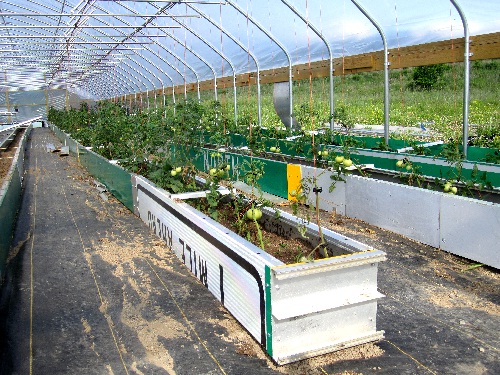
column 101, row 49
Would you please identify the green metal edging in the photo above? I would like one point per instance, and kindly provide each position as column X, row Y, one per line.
column 274, row 181
column 116, row 179
column 429, row 165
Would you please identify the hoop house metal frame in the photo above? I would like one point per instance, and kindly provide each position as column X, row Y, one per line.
column 75, row 43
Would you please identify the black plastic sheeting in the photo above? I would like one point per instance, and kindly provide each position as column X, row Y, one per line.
column 66, row 309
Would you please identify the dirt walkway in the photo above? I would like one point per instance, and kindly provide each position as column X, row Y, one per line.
column 90, row 290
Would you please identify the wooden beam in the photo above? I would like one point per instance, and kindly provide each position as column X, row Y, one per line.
column 486, row 46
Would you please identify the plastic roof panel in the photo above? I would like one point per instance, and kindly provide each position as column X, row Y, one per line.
column 108, row 48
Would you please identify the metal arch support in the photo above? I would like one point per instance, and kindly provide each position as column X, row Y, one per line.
column 143, row 76
column 270, row 36
column 132, row 85
column 152, row 39
column 89, row 83
column 128, row 37
column 386, row 69
column 169, row 64
column 136, row 78
column 161, row 82
column 118, row 77
column 198, row 56
column 103, row 90
column 330, row 54
column 99, row 90
column 466, row 98
column 124, row 80
column 173, row 67
column 212, row 47
column 158, row 78
column 230, row 36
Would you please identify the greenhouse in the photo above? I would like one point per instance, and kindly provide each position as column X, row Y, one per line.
column 250, row 187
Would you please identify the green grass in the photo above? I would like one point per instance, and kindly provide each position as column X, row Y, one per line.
column 361, row 96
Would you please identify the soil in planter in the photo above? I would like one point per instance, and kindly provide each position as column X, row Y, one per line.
column 288, row 250
column 7, row 156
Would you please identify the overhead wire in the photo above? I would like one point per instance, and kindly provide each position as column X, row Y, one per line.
column 401, row 92
column 454, row 73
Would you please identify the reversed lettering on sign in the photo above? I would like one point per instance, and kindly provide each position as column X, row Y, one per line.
column 160, row 229
column 197, row 265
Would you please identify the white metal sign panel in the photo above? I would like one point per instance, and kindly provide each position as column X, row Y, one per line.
column 469, row 228
column 232, row 273
column 412, row 212
column 336, row 200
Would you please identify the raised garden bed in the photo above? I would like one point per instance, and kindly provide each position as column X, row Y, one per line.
column 11, row 176
column 289, row 309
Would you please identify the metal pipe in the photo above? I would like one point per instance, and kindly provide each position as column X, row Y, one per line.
column 160, row 11
column 207, row 43
column 173, row 67
column 198, row 56
column 330, row 54
column 247, row 50
column 139, row 55
column 386, row 70
column 466, row 95
column 270, row 36
column 80, row 27
column 135, row 15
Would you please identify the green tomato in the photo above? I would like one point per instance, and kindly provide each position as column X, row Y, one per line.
column 213, row 172
column 178, row 169
column 228, row 167
column 324, row 153
column 339, row 159
column 454, row 189
column 254, row 214
column 272, row 149
column 400, row 163
column 447, row 187
column 408, row 167
column 173, row 173
column 347, row 162
column 220, row 172
column 278, row 150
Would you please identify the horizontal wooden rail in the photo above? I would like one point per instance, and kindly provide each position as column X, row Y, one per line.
column 486, row 46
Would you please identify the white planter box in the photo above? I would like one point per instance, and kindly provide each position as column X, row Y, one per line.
column 462, row 226
column 294, row 311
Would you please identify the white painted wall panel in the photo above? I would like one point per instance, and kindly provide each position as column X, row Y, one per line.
column 406, row 210
column 334, row 201
column 471, row 229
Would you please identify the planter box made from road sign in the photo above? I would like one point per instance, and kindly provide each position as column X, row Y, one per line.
column 294, row 311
